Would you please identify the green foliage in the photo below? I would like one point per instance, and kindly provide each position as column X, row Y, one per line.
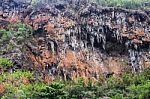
column 18, row 92
column 140, row 91
column 14, row 36
column 15, row 76
column 34, row 2
column 36, row 91
column 23, row 74
column 80, row 90
column 122, row 3
column 128, row 86
column 10, row 93
column 118, row 96
column 5, row 62
column 53, row 91
column 146, row 73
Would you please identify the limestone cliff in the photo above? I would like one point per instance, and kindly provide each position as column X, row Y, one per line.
column 79, row 40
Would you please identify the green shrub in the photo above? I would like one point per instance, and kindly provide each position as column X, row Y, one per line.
column 5, row 62
column 15, row 76
column 18, row 92
column 23, row 74
column 10, row 92
column 14, row 36
column 127, row 86
column 53, row 91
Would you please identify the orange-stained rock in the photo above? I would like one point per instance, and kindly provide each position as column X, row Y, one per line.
column 49, row 27
column 125, row 35
column 25, row 80
column 136, row 41
column 131, row 19
column 2, row 88
column 146, row 64
column 27, row 20
column 139, row 32
column 13, row 19
column 85, row 61
column 47, row 79
column 146, row 39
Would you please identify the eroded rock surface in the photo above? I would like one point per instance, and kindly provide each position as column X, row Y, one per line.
column 80, row 39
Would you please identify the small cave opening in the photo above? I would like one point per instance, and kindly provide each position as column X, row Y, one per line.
column 145, row 46
column 60, row 6
column 115, row 48
column 51, row 68
column 39, row 32
column 139, row 17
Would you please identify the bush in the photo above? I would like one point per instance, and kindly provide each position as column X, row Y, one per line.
column 15, row 76
column 14, row 36
column 53, row 91
column 5, row 62
column 127, row 86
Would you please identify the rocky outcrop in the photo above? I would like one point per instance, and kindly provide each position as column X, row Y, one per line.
column 81, row 40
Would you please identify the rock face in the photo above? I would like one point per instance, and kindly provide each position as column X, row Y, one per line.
column 80, row 39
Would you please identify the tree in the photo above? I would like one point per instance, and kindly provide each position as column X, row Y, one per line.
column 53, row 91
column 14, row 36
column 5, row 64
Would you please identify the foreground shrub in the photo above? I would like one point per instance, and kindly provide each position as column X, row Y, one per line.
column 127, row 86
